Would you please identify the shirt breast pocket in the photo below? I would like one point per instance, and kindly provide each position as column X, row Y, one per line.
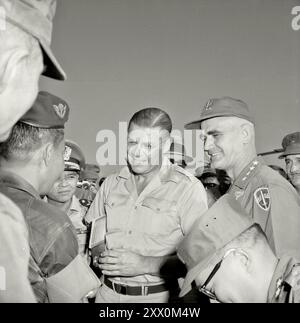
column 158, row 216
column 116, row 213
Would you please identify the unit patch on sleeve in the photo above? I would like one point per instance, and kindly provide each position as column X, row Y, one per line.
column 262, row 198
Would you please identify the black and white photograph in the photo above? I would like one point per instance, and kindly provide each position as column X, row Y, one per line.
column 149, row 154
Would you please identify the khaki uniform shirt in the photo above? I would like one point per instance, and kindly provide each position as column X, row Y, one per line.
column 14, row 255
column 153, row 223
column 273, row 203
column 285, row 284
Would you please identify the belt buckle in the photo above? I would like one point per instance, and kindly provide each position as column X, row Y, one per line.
column 144, row 290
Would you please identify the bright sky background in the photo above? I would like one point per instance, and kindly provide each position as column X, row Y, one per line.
column 124, row 55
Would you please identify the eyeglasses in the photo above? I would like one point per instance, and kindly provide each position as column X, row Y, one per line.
column 203, row 289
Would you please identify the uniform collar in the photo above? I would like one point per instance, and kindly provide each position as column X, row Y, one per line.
column 281, row 277
column 13, row 180
column 248, row 172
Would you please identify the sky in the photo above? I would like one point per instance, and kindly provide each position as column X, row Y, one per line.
column 124, row 55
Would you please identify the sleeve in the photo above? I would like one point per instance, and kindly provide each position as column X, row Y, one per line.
column 14, row 255
column 283, row 225
column 97, row 209
column 192, row 205
column 63, row 250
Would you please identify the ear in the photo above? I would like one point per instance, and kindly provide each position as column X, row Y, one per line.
column 11, row 63
column 48, row 154
column 246, row 129
column 243, row 258
column 166, row 144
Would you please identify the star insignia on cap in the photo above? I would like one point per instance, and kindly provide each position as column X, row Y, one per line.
column 67, row 153
column 60, row 110
column 208, row 104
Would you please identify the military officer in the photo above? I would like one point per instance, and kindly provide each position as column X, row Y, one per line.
column 229, row 139
column 31, row 161
column 291, row 154
column 62, row 194
column 143, row 212
column 229, row 259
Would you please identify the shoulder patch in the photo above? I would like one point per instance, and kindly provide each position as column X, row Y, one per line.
column 262, row 198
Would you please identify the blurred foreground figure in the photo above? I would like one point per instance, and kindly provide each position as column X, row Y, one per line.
column 229, row 259
column 24, row 32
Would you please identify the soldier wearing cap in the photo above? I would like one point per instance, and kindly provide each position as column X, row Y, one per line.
column 229, row 139
column 21, row 62
column 31, row 161
column 291, row 154
column 229, row 259
column 62, row 194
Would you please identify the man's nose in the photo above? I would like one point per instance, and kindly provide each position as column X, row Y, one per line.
column 208, row 143
column 295, row 168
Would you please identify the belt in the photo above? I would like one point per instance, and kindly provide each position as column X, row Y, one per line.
column 134, row 290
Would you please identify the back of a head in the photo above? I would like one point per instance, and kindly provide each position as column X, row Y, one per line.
column 151, row 118
column 25, row 140
column 252, row 239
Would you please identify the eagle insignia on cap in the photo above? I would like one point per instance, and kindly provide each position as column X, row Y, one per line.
column 208, row 104
column 60, row 110
column 262, row 198
column 67, row 153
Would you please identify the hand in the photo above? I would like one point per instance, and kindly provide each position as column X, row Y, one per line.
column 122, row 263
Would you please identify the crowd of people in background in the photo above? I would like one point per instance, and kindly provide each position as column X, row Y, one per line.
column 228, row 232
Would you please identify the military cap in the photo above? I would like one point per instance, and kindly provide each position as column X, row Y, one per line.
column 177, row 153
column 222, row 107
column 291, row 144
column 35, row 18
column 222, row 223
column 48, row 112
column 73, row 156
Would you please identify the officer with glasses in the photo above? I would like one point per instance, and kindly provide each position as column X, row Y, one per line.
column 229, row 259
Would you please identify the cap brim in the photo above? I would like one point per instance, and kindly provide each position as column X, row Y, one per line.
column 290, row 151
column 193, row 125
column 53, row 68
column 197, row 124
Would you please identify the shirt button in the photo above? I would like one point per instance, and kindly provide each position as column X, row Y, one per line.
column 158, row 209
column 129, row 232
